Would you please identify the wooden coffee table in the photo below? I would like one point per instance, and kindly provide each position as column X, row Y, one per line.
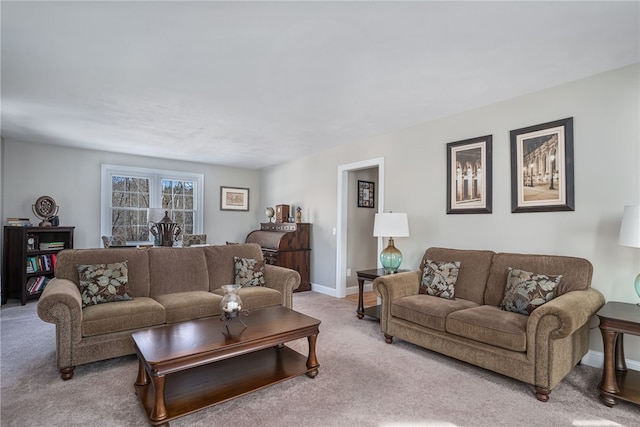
column 188, row 366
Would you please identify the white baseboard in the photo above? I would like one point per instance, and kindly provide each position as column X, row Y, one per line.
column 596, row 359
column 324, row 290
column 332, row 291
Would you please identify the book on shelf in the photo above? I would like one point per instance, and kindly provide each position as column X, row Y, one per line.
column 31, row 264
column 39, row 263
column 49, row 246
column 31, row 283
column 19, row 222
column 36, row 284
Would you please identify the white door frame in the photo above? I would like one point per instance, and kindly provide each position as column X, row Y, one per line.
column 343, row 196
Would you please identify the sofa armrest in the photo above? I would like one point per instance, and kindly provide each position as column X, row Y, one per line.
column 61, row 292
column 61, row 304
column 393, row 286
column 284, row 280
column 571, row 310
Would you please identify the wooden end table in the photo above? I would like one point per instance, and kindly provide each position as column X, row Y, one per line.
column 616, row 319
column 370, row 276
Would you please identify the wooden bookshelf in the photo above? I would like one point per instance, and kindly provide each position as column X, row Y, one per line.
column 29, row 255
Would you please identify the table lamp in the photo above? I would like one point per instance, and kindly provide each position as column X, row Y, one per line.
column 630, row 233
column 391, row 225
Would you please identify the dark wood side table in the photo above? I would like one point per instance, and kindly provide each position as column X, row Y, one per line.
column 370, row 276
column 616, row 319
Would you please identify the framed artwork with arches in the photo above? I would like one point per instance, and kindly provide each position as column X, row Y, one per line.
column 469, row 176
column 542, row 167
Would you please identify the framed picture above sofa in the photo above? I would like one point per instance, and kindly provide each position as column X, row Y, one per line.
column 469, row 175
column 234, row 199
column 542, row 167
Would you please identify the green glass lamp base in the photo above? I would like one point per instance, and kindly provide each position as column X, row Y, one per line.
column 390, row 258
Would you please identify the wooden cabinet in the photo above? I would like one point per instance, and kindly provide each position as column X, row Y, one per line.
column 286, row 245
column 29, row 256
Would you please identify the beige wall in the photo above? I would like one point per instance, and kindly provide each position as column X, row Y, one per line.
column 72, row 177
column 605, row 109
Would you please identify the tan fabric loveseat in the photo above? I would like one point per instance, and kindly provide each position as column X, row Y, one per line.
column 168, row 285
column 539, row 349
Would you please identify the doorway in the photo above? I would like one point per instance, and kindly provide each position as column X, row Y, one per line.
column 343, row 217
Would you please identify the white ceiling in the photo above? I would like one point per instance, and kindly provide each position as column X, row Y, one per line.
column 252, row 84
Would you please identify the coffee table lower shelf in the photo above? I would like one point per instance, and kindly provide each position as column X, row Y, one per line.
column 197, row 388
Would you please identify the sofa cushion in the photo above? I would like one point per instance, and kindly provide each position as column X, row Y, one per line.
column 527, row 291
column 256, row 297
column 220, row 264
column 428, row 311
column 102, row 283
column 473, row 272
column 181, row 306
column 118, row 316
column 490, row 325
column 249, row 272
column 177, row 270
column 439, row 278
column 576, row 272
column 138, row 283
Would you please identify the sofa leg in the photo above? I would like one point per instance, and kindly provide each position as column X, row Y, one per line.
column 67, row 373
column 388, row 339
column 542, row 393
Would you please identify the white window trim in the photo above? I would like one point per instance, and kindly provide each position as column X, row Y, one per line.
column 155, row 176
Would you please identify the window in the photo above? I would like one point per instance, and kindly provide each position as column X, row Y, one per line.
column 128, row 195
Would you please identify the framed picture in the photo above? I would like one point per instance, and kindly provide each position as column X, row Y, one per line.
column 32, row 242
column 542, row 167
column 469, row 174
column 234, row 199
column 366, row 194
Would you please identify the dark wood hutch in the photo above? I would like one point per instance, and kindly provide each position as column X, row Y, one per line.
column 286, row 244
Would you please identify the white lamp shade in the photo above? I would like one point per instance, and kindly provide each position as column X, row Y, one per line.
column 630, row 227
column 391, row 225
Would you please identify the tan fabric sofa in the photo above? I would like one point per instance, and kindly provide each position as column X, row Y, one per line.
column 538, row 349
column 168, row 285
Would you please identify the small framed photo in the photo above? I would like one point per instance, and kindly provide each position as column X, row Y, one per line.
column 234, row 199
column 32, row 242
column 542, row 167
column 469, row 175
column 366, row 194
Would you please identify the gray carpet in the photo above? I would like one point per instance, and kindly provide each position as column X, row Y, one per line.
column 362, row 382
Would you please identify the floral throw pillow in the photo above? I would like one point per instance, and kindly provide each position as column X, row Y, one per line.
column 249, row 272
column 527, row 291
column 439, row 278
column 100, row 283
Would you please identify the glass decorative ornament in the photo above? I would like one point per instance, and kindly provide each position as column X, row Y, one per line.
column 231, row 305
